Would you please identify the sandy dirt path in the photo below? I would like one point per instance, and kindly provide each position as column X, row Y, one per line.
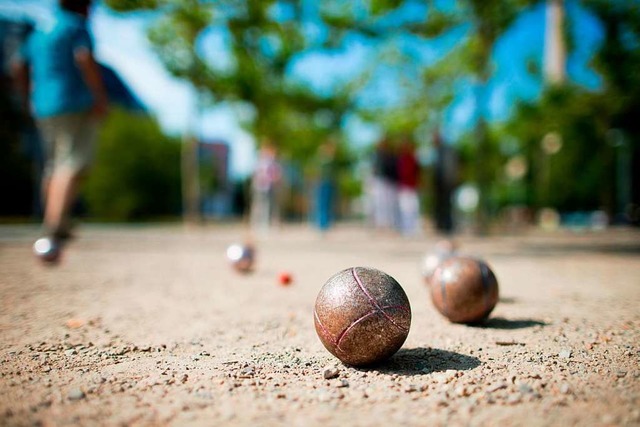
column 148, row 325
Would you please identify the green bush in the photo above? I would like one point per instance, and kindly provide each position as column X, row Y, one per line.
column 137, row 171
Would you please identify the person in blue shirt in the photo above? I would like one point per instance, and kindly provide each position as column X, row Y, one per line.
column 60, row 82
column 326, row 185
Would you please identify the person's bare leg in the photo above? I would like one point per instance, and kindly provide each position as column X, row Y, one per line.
column 61, row 192
column 44, row 189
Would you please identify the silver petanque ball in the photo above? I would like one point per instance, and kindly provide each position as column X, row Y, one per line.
column 441, row 251
column 241, row 257
column 47, row 250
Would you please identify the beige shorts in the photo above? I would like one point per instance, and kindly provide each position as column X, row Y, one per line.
column 69, row 141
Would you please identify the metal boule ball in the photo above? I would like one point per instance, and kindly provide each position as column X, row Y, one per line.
column 362, row 316
column 464, row 289
column 241, row 257
column 48, row 250
column 442, row 250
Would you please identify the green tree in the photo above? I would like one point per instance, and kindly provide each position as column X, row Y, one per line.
column 585, row 173
column 263, row 39
column 136, row 173
column 489, row 20
column 618, row 62
column 424, row 92
column 480, row 23
column 574, row 170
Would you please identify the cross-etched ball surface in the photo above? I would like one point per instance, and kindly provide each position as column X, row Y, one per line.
column 362, row 316
column 464, row 289
column 241, row 257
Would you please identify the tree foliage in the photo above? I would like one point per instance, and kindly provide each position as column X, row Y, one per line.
column 136, row 173
column 480, row 23
column 582, row 175
column 263, row 40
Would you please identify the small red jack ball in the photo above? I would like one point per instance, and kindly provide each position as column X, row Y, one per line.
column 285, row 279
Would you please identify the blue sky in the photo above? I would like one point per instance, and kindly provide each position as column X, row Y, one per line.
column 121, row 43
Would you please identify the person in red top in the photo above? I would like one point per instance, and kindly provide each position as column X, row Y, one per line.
column 408, row 180
column 445, row 180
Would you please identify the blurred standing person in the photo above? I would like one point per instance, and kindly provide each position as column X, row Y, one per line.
column 265, row 182
column 326, row 187
column 408, row 179
column 377, row 185
column 385, row 181
column 57, row 74
column 445, row 179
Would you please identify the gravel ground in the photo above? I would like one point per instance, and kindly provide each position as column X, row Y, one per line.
column 149, row 325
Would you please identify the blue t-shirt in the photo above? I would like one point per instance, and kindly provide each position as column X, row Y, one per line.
column 57, row 83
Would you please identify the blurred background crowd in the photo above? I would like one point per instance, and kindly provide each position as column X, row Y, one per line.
column 353, row 109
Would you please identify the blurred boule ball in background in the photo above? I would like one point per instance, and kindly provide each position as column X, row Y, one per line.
column 464, row 289
column 241, row 257
column 440, row 251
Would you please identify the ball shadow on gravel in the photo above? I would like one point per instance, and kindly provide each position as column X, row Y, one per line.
column 502, row 323
column 421, row 360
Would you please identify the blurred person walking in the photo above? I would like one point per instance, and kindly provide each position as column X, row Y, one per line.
column 408, row 179
column 446, row 180
column 265, row 185
column 325, row 187
column 385, row 186
column 58, row 76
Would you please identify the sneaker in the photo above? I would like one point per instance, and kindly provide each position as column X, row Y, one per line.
column 47, row 249
column 63, row 235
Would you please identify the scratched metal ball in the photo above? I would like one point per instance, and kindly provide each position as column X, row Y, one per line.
column 241, row 257
column 362, row 316
column 464, row 289
column 442, row 250
column 47, row 250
